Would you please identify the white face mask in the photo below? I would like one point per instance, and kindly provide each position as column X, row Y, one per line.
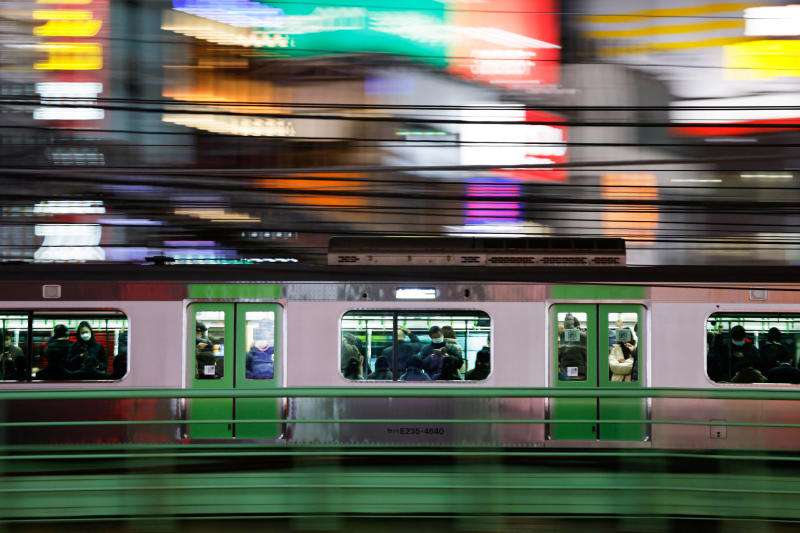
column 738, row 343
column 261, row 344
column 86, row 336
column 437, row 340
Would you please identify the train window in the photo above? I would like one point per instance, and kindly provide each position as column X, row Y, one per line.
column 209, row 344
column 14, row 361
column 753, row 347
column 80, row 345
column 415, row 346
column 571, row 346
column 623, row 346
column 260, row 339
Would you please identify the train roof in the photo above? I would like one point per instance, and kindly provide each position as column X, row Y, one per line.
column 298, row 272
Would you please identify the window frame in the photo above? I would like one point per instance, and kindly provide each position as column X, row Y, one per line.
column 62, row 313
column 395, row 311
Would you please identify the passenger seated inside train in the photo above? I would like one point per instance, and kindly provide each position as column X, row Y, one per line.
column 382, row 370
column 408, row 346
column 56, row 355
column 12, row 361
column 449, row 369
column 482, row 369
column 414, row 371
column 746, row 371
column 784, row 371
column 259, row 362
column 621, row 359
column 87, row 357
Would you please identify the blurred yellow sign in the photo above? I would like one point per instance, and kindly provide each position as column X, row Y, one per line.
column 758, row 60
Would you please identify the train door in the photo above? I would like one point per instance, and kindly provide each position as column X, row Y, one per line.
column 598, row 346
column 234, row 346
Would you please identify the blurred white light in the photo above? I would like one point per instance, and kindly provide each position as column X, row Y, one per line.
column 767, row 175
column 772, row 20
column 69, row 242
column 415, row 294
column 68, row 113
column 69, row 207
column 245, row 126
column 63, row 89
column 695, row 180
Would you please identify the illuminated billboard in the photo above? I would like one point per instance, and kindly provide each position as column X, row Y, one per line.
column 505, row 42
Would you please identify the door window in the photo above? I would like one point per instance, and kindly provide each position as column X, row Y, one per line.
column 209, row 344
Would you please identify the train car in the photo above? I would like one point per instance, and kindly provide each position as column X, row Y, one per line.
column 377, row 325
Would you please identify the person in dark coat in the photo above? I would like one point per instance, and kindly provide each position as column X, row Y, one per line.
column 382, row 370
column 12, row 360
column 784, row 371
column 747, row 372
column 260, row 360
column 87, row 357
column 449, row 371
column 773, row 352
column 414, row 371
column 743, row 352
column 121, row 360
column 482, row 369
column 56, row 354
column 208, row 367
column 408, row 346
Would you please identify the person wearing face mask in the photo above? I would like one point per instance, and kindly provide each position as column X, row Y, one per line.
column 431, row 354
column 260, row 361
column 87, row 357
column 742, row 352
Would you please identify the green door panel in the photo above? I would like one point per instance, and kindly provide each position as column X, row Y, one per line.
column 254, row 322
column 566, row 357
column 211, row 408
column 621, row 408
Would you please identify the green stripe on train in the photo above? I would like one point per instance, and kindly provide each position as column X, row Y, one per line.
column 597, row 292
column 234, row 290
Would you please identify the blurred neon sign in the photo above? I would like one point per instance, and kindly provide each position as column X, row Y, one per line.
column 75, row 58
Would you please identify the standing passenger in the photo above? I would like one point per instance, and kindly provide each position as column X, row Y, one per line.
column 742, row 352
column 382, row 370
column 260, row 360
column 773, row 352
column 414, row 371
column 87, row 357
column 621, row 360
column 12, row 360
column 407, row 347
column 207, row 366
column 56, row 354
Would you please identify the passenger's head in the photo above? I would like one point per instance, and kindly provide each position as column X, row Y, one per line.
column 200, row 329
column 8, row 337
column 85, row 332
column 482, row 357
column 60, row 331
column 436, row 334
column 381, row 363
column 774, row 335
column 448, row 332
column 571, row 322
column 263, row 335
column 737, row 335
column 450, row 365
